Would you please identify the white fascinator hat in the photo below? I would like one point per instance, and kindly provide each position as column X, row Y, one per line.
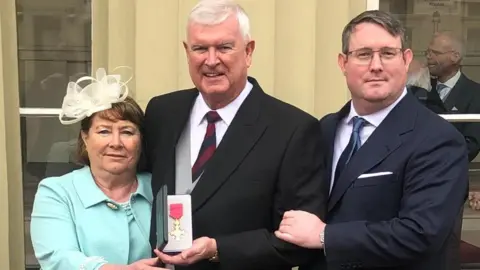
column 98, row 95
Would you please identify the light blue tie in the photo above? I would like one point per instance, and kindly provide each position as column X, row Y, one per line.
column 441, row 89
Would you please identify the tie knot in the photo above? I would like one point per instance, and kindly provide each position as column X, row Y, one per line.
column 212, row 117
column 358, row 123
column 440, row 87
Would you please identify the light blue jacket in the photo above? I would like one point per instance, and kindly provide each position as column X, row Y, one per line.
column 76, row 226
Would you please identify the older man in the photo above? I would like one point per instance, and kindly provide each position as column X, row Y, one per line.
column 418, row 83
column 459, row 94
column 397, row 171
column 246, row 156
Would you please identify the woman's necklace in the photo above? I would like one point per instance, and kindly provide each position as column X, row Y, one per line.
column 131, row 189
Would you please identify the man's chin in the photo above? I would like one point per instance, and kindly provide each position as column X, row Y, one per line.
column 376, row 98
column 213, row 89
column 433, row 71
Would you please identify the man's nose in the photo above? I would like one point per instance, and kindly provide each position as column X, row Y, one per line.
column 428, row 54
column 212, row 57
column 376, row 63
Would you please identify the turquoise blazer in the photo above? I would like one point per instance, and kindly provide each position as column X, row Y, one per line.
column 76, row 226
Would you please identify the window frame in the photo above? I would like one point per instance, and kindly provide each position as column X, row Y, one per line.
column 28, row 111
column 375, row 5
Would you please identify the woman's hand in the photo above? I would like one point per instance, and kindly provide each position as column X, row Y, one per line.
column 146, row 264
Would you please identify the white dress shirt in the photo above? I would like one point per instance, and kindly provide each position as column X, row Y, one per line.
column 198, row 125
column 198, row 122
column 344, row 130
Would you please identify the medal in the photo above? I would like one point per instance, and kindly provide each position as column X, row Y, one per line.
column 176, row 212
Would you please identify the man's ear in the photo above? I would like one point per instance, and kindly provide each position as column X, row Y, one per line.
column 185, row 47
column 250, row 47
column 342, row 59
column 455, row 57
column 408, row 57
column 249, row 51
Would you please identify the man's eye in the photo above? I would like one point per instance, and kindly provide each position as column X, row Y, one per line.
column 364, row 54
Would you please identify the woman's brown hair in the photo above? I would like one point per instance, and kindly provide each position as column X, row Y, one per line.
column 127, row 110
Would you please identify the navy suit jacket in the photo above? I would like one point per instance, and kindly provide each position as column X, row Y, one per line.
column 401, row 220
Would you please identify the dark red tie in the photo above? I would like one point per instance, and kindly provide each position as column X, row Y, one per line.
column 208, row 146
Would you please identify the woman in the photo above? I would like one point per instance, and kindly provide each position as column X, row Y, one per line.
column 97, row 217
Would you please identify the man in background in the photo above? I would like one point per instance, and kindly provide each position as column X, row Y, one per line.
column 455, row 90
column 418, row 83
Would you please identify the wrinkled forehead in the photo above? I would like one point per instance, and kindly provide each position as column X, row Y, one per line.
column 370, row 35
column 226, row 31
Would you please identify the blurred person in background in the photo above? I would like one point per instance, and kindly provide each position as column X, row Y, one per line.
column 418, row 83
column 454, row 89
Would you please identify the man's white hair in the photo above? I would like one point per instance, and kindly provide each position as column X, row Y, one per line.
column 420, row 78
column 213, row 12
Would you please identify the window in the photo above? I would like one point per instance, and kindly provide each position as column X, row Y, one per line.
column 473, row 41
column 54, row 47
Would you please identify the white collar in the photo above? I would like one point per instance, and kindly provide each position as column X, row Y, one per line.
column 227, row 113
column 450, row 83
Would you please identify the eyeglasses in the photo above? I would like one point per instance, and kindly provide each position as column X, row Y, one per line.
column 430, row 52
column 364, row 56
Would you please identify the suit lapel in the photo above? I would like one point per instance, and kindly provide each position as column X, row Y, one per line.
column 242, row 134
column 329, row 131
column 180, row 114
column 383, row 142
column 455, row 96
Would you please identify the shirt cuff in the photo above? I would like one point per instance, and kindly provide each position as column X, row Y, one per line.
column 324, row 244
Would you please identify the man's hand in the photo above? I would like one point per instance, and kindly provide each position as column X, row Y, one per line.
column 474, row 200
column 301, row 228
column 202, row 248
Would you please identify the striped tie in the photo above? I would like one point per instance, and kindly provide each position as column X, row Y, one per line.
column 208, row 146
column 441, row 89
